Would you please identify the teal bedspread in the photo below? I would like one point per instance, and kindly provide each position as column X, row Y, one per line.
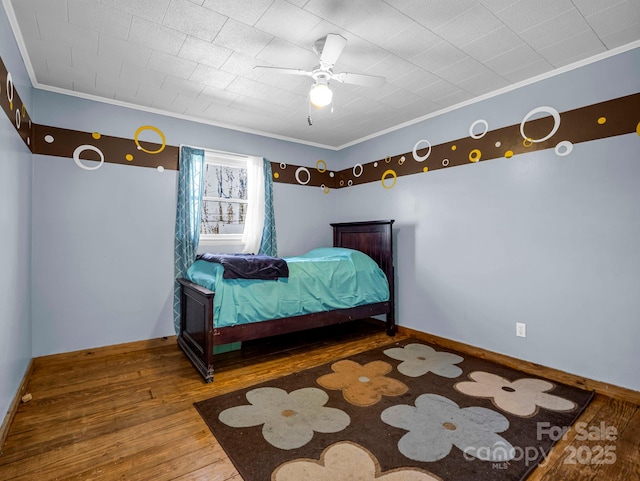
column 323, row 279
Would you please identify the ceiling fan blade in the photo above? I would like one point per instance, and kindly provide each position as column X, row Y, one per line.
column 359, row 79
column 289, row 71
column 333, row 47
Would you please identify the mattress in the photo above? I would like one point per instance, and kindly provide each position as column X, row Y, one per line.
column 323, row 279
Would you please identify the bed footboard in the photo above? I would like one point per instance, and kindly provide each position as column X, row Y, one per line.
column 196, row 326
column 198, row 336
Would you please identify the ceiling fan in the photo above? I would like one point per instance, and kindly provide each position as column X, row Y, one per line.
column 328, row 48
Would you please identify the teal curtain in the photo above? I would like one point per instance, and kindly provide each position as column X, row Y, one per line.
column 268, row 245
column 188, row 216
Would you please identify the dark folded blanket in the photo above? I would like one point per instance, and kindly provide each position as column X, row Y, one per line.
column 249, row 266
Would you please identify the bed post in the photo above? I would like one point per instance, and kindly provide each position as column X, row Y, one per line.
column 375, row 239
column 391, row 315
column 196, row 326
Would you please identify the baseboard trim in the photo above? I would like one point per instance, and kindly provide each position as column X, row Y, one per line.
column 107, row 350
column 13, row 408
column 615, row 392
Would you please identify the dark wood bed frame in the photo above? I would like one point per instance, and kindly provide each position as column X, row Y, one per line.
column 198, row 334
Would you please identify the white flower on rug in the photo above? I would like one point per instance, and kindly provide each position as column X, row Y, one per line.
column 436, row 424
column 521, row 397
column 345, row 461
column 418, row 359
column 289, row 419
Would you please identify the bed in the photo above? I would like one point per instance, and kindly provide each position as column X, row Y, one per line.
column 200, row 332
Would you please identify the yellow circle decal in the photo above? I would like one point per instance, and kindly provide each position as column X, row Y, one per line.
column 508, row 154
column 602, row 120
column 157, row 131
column 387, row 159
column 426, row 169
column 342, row 182
column 276, row 175
column 638, row 128
column 528, row 142
column 129, row 157
column 474, row 155
column 453, row 147
column 393, row 174
column 96, row 135
column 323, row 168
column 326, row 190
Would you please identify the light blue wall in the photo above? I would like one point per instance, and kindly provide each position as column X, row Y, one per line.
column 538, row 239
column 103, row 239
column 545, row 240
column 15, row 233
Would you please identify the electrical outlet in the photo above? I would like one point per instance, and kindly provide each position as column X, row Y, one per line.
column 521, row 329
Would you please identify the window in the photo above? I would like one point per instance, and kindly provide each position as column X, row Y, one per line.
column 225, row 198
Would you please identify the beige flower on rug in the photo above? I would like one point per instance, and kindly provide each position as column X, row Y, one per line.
column 362, row 385
column 521, row 397
column 419, row 359
column 345, row 461
column 288, row 420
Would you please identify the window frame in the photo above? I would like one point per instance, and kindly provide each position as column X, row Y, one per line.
column 228, row 159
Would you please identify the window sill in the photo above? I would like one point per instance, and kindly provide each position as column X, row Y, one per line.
column 208, row 244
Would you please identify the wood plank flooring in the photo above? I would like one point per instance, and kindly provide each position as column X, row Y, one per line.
column 125, row 413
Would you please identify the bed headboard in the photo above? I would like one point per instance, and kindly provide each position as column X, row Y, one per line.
column 374, row 238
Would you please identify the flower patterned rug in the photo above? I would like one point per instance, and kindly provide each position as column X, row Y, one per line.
column 408, row 411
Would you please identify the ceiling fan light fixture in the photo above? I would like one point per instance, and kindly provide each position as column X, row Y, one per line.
column 320, row 95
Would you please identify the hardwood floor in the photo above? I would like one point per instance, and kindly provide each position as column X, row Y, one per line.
column 125, row 413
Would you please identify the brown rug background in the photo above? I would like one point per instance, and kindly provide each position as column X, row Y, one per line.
column 256, row 459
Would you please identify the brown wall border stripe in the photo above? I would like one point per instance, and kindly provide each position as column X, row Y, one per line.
column 606, row 119
column 13, row 106
column 94, row 146
column 540, row 129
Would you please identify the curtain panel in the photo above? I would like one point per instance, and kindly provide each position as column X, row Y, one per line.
column 254, row 222
column 188, row 217
column 260, row 230
column 268, row 244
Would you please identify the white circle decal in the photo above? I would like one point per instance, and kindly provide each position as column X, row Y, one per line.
column 49, row 139
column 9, row 87
column 82, row 148
column 303, row 169
column 482, row 134
column 361, row 169
column 415, row 151
column 564, row 148
column 549, row 110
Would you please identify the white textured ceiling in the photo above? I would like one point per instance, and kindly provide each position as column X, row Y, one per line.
column 195, row 58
